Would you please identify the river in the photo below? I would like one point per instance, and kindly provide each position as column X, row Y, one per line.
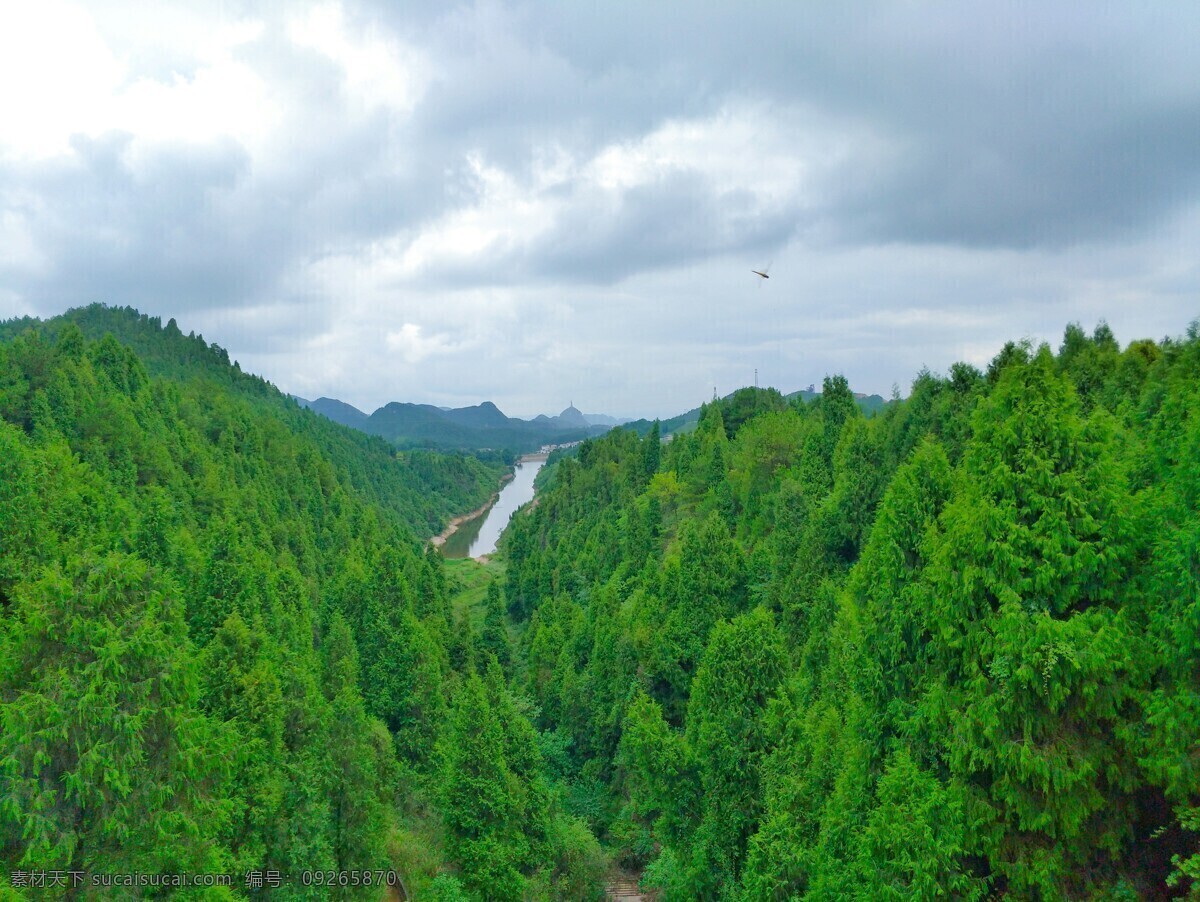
column 478, row 536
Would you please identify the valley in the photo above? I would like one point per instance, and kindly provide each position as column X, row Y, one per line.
column 501, row 451
column 772, row 654
column 479, row 534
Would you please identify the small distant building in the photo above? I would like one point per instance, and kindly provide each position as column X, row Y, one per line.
column 546, row 449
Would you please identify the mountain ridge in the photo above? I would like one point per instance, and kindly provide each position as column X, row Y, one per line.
column 479, row 427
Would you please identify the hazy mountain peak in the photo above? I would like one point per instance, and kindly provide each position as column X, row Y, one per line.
column 338, row 411
column 571, row 417
column 482, row 416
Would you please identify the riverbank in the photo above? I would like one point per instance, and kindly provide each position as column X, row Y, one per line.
column 439, row 540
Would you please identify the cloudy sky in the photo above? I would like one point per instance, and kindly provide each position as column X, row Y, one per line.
column 544, row 203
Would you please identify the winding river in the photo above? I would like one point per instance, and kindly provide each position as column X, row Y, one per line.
column 478, row 536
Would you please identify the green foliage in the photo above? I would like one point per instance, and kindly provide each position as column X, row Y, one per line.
column 107, row 761
column 221, row 647
column 947, row 649
column 494, row 638
column 950, row 649
column 658, row 765
column 482, row 805
column 740, row 671
column 1038, row 658
column 447, row 888
column 914, row 841
column 578, row 861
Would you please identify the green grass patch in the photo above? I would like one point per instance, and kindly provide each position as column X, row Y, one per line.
column 467, row 581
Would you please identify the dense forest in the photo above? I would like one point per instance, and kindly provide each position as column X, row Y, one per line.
column 798, row 652
column 951, row 649
column 179, row 383
column 224, row 648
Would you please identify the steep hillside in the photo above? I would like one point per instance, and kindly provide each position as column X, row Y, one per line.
column 947, row 650
column 424, row 488
column 224, row 650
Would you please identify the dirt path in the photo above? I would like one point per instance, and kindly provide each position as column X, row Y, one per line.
column 622, row 886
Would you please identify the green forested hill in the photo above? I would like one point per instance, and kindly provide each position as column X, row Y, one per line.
column 950, row 649
column 947, row 650
column 424, row 488
column 686, row 422
column 338, row 411
column 223, row 649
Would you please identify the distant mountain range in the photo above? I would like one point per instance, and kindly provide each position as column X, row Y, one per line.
column 483, row 426
column 338, row 411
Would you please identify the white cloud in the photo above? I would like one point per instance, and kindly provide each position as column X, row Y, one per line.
column 767, row 159
column 413, row 346
column 508, row 217
column 224, row 98
column 412, row 202
column 378, row 69
column 747, row 147
column 169, row 75
column 58, row 76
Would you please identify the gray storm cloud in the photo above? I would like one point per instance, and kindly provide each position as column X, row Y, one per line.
column 515, row 201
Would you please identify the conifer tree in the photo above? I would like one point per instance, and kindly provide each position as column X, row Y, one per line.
column 241, row 689
column 1036, row 661
column 740, row 672
column 106, row 761
column 495, row 640
column 479, row 807
column 651, row 451
column 659, row 771
column 361, row 771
